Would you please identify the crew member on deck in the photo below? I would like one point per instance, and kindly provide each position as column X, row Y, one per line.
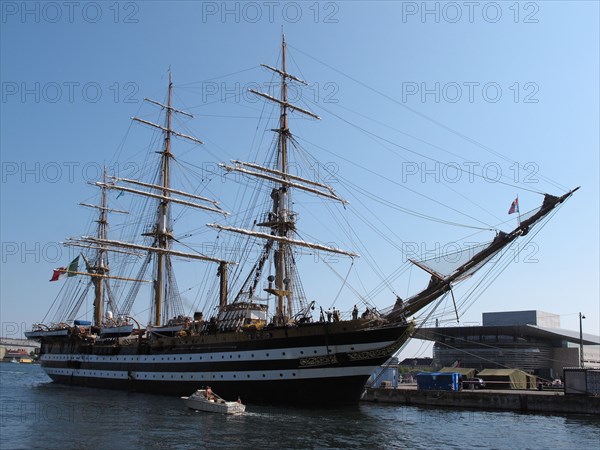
column 336, row 315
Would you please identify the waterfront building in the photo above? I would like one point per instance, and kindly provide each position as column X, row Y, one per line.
column 528, row 340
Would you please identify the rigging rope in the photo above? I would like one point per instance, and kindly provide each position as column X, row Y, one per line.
column 447, row 128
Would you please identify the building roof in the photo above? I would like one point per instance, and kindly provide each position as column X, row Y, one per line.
column 433, row 334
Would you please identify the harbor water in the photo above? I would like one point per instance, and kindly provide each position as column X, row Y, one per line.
column 38, row 414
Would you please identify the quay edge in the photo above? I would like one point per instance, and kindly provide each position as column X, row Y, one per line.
column 523, row 401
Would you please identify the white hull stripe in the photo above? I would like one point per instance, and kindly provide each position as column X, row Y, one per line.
column 264, row 375
column 260, row 355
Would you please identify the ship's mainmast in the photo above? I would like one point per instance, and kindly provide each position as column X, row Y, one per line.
column 161, row 232
column 285, row 219
column 282, row 220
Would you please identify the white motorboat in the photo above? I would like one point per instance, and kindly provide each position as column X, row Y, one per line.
column 208, row 401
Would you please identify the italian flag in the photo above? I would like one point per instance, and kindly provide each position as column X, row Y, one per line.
column 63, row 272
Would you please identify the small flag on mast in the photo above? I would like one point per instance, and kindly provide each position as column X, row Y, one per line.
column 63, row 272
column 514, row 207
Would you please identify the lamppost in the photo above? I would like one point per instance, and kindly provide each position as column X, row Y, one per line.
column 581, row 316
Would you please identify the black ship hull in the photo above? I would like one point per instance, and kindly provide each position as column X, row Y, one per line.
column 317, row 364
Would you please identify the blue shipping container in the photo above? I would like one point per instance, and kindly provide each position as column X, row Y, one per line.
column 439, row 381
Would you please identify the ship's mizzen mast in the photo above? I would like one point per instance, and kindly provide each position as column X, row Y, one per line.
column 99, row 269
column 441, row 283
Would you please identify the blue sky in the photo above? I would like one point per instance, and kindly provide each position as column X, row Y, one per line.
column 437, row 85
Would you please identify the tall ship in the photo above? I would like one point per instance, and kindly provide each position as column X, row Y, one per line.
column 258, row 337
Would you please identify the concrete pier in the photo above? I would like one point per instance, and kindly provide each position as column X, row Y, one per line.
column 510, row 400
